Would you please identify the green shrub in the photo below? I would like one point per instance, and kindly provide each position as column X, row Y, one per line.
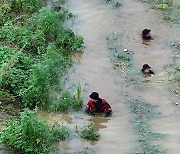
column 31, row 134
column 63, row 104
column 162, row 6
column 38, row 93
column 20, row 36
column 66, row 102
column 42, row 37
column 15, row 70
column 60, row 132
column 54, row 64
column 89, row 133
column 77, row 104
column 25, row 6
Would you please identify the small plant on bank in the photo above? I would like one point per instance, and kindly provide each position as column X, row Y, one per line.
column 88, row 132
column 30, row 134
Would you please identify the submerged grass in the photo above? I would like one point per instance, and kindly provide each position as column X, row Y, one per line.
column 174, row 72
column 113, row 3
column 143, row 113
column 171, row 9
column 88, row 132
column 123, row 59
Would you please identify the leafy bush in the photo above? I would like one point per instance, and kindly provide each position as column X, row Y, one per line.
column 25, row 6
column 60, row 132
column 89, row 133
column 63, row 103
column 66, row 102
column 15, row 69
column 42, row 37
column 162, row 6
column 31, row 134
column 20, row 36
column 39, row 89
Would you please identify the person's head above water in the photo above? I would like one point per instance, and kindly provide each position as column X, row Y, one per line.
column 94, row 96
column 146, row 34
column 146, row 68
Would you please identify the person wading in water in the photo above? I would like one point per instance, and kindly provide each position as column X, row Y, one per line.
column 96, row 104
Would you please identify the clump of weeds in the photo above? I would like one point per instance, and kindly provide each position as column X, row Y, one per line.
column 170, row 9
column 66, row 102
column 88, row 132
column 174, row 72
column 123, row 59
column 144, row 112
column 113, row 3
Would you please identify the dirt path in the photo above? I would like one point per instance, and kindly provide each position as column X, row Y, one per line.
column 94, row 21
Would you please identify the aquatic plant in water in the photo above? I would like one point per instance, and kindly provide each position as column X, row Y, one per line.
column 143, row 113
column 88, row 132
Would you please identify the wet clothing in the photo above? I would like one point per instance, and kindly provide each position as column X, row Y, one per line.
column 146, row 37
column 100, row 106
column 147, row 74
column 145, row 34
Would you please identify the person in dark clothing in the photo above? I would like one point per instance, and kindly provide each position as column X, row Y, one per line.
column 147, row 70
column 96, row 104
column 146, row 35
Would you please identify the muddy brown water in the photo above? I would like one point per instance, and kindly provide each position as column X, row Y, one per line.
column 94, row 70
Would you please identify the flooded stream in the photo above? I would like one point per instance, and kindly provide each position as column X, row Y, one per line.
column 94, row 69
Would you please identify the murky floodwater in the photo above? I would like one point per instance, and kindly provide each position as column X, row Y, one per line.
column 94, row 70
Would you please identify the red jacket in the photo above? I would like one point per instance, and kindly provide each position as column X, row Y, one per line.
column 100, row 106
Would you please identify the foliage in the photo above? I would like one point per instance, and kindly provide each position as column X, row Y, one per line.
column 25, row 6
column 143, row 112
column 38, row 91
column 162, row 6
column 11, row 9
column 89, row 133
column 31, row 134
column 60, row 132
column 45, row 40
column 66, row 102
column 15, row 69
column 78, row 91
column 20, row 36
column 114, row 3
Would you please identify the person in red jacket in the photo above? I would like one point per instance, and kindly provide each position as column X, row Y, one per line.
column 96, row 104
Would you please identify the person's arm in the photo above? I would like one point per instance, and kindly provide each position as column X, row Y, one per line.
column 108, row 110
column 88, row 109
column 151, row 72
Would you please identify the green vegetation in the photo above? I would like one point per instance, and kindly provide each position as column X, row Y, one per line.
column 174, row 72
column 144, row 112
column 89, row 133
column 66, row 102
column 35, row 49
column 113, row 3
column 30, row 134
column 170, row 9
column 123, row 59
column 162, row 6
